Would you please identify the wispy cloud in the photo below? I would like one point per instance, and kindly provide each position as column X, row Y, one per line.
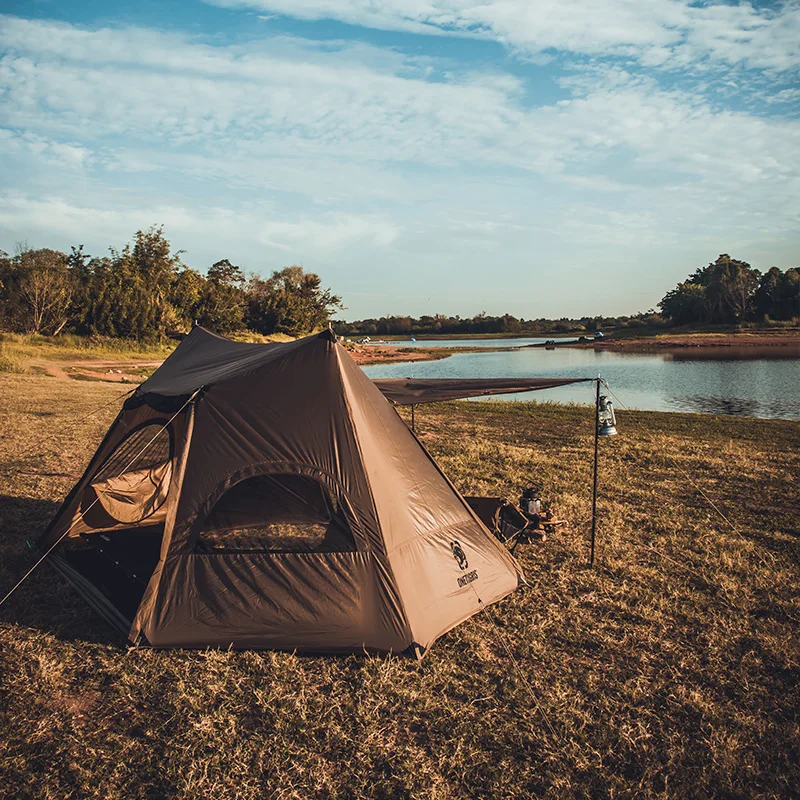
column 210, row 228
column 787, row 96
column 195, row 99
column 327, row 233
column 47, row 152
column 361, row 157
column 657, row 32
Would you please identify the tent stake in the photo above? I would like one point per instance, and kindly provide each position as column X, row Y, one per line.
column 594, row 488
column 413, row 429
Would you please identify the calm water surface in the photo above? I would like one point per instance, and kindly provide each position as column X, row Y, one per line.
column 477, row 344
column 748, row 381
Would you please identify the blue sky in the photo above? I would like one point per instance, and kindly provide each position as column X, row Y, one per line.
column 537, row 157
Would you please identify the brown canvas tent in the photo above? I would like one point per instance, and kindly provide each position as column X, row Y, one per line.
column 269, row 496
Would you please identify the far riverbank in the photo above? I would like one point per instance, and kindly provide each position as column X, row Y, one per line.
column 756, row 339
column 366, row 355
column 624, row 340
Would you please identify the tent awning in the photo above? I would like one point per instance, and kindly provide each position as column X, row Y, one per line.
column 412, row 391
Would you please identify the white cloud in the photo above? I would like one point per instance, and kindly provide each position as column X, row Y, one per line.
column 23, row 214
column 211, row 229
column 327, row 233
column 371, row 163
column 64, row 155
column 245, row 115
column 656, row 31
column 785, row 96
column 192, row 93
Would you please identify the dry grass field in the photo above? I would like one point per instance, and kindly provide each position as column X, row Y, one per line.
column 671, row 669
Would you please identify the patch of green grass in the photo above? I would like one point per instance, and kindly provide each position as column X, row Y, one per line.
column 669, row 670
column 23, row 348
column 67, row 346
column 10, row 359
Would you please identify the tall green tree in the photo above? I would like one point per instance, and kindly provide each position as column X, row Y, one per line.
column 685, row 304
column 730, row 286
column 778, row 294
column 223, row 302
column 290, row 301
column 36, row 291
column 120, row 301
column 7, row 295
column 185, row 296
column 719, row 293
column 788, row 306
column 130, row 290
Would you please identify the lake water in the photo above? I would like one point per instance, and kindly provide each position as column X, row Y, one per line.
column 746, row 381
column 477, row 344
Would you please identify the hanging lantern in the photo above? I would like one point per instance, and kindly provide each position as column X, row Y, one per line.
column 606, row 421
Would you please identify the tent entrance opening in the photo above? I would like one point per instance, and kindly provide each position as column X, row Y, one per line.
column 279, row 513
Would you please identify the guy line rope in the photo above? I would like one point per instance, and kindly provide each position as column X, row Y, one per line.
column 536, row 704
column 683, row 472
column 694, row 485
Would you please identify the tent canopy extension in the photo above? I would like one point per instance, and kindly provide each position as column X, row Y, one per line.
column 269, row 496
column 413, row 391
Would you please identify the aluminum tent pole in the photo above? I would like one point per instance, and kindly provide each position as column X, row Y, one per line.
column 596, row 451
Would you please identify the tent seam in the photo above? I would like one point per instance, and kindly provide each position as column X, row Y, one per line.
column 406, row 620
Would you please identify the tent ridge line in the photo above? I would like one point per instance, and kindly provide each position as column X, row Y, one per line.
column 383, row 562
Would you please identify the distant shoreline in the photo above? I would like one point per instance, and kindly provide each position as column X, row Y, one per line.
column 697, row 340
column 767, row 337
column 393, row 351
column 368, row 355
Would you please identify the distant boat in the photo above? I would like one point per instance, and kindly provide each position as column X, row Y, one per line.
column 413, row 339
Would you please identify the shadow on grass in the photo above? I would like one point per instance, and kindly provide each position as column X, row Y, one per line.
column 45, row 601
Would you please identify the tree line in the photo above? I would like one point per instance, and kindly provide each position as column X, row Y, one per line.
column 483, row 323
column 729, row 291
column 725, row 292
column 145, row 291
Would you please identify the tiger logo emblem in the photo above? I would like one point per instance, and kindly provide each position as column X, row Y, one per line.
column 459, row 555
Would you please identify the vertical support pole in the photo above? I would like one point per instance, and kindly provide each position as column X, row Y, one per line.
column 413, row 406
column 594, row 487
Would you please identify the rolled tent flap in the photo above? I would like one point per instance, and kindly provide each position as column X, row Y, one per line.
column 412, row 391
column 135, row 495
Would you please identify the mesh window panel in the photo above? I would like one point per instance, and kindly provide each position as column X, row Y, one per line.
column 146, row 447
column 276, row 513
